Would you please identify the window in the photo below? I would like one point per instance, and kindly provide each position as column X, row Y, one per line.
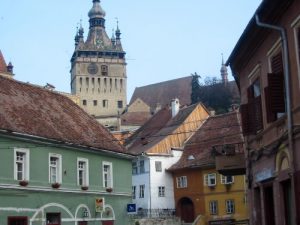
column 252, row 111
column 229, row 206
column 161, row 191
column 53, row 219
column 107, row 175
column 133, row 192
column 83, row 102
column 21, row 164
column 227, row 179
column 210, row 180
column 120, row 104
column 134, row 168
column 17, row 220
column 181, row 182
column 213, row 207
column 274, row 92
column 82, row 172
column 95, row 102
column 105, row 103
column 158, row 166
column 142, row 191
column 142, row 166
column 54, row 168
column 104, row 70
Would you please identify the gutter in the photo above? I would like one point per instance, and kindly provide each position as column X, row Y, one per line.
column 288, row 102
column 56, row 143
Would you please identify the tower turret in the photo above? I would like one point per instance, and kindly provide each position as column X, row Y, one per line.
column 224, row 73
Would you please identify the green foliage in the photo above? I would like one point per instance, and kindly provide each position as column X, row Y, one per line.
column 214, row 94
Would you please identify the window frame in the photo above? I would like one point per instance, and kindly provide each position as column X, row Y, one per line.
column 181, row 182
column 161, row 191
column 213, row 207
column 224, row 179
column 158, row 166
column 142, row 191
column 25, row 164
column 110, row 174
column 207, row 180
column 135, row 168
column 134, row 192
column 142, row 166
column 120, row 104
column 58, row 168
column 86, row 172
column 230, row 206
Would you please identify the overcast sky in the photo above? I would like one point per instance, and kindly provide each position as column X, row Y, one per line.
column 164, row 39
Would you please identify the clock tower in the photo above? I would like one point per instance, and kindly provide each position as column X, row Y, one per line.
column 98, row 70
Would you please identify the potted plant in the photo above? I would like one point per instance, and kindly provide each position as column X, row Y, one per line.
column 84, row 188
column 55, row 185
column 23, row 183
column 109, row 189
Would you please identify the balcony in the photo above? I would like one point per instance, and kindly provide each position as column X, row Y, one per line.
column 231, row 164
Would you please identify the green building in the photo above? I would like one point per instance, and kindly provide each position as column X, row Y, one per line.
column 57, row 164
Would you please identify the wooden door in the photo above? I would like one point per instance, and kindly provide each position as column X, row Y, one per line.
column 187, row 210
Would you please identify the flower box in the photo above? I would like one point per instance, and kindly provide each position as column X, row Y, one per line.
column 109, row 189
column 84, row 188
column 55, row 185
column 23, row 183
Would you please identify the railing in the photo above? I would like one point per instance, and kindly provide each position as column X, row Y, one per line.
column 155, row 213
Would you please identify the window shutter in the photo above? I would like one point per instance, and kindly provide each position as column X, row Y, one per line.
column 276, row 63
column 257, row 114
column 246, row 123
column 271, row 116
column 276, row 92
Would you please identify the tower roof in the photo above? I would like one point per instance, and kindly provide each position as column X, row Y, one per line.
column 3, row 66
column 96, row 11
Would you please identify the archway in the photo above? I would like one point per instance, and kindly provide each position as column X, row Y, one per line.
column 186, row 210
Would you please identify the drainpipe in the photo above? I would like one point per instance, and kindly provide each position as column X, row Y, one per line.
column 288, row 103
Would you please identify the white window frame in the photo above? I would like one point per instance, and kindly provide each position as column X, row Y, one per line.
column 135, row 169
column 58, row 168
column 133, row 192
column 86, row 174
column 208, row 179
column 181, row 182
column 110, row 174
column 158, row 166
column 142, row 168
column 161, row 191
column 213, row 207
column 26, row 164
column 224, row 179
column 142, row 191
column 230, row 206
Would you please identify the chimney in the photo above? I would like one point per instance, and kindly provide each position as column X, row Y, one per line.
column 175, row 106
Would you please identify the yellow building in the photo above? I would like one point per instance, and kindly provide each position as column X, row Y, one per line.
column 224, row 197
column 207, row 196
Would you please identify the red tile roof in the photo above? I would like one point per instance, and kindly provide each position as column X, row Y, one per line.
column 135, row 118
column 160, row 126
column 31, row 110
column 3, row 68
column 164, row 92
column 218, row 130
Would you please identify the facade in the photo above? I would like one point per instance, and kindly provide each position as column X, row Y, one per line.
column 158, row 145
column 98, row 70
column 265, row 62
column 199, row 190
column 58, row 165
column 5, row 70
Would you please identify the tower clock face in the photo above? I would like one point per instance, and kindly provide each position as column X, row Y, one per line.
column 92, row 68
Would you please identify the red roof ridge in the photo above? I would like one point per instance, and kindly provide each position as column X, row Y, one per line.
column 166, row 81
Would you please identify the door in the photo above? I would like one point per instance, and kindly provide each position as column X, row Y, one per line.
column 82, row 223
column 187, row 210
column 17, row 220
column 287, row 199
column 269, row 206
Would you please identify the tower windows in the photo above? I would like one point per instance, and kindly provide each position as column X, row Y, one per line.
column 105, row 103
column 104, row 70
column 84, row 102
column 95, row 102
column 120, row 104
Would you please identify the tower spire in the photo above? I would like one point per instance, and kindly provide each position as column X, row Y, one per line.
column 224, row 73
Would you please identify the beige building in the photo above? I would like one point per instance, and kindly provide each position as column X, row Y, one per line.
column 98, row 70
column 5, row 70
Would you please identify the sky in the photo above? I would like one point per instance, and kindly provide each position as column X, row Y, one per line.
column 163, row 39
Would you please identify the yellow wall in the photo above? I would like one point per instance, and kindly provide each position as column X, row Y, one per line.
column 220, row 193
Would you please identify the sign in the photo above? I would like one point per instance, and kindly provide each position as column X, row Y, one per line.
column 221, row 222
column 99, row 204
column 265, row 174
column 131, row 208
